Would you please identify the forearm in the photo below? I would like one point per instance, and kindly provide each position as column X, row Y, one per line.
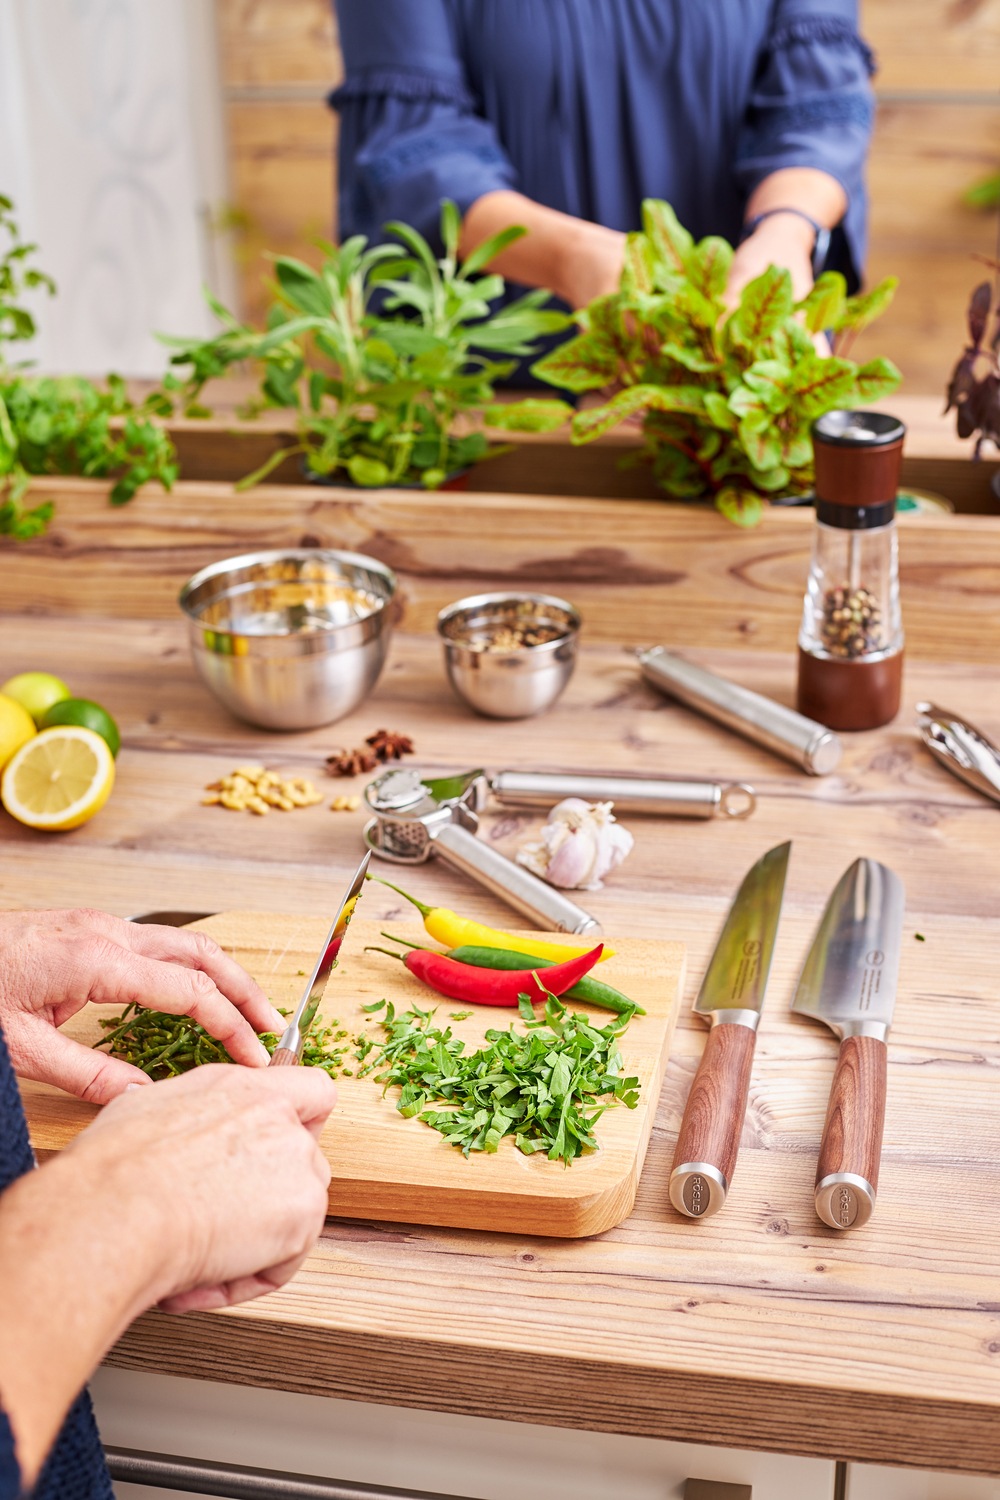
column 814, row 192
column 572, row 258
column 72, row 1278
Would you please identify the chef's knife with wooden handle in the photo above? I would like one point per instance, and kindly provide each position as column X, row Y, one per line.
column 849, row 982
column 730, row 998
column 289, row 1049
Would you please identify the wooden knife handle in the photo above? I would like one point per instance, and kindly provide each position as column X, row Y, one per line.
column 847, row 1175
column 283, row 1057
column 709, row 1141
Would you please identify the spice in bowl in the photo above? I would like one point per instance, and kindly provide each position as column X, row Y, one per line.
column 509, row 656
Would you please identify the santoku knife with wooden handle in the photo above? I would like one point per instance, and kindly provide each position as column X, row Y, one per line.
column 849, row 982
column 730, row 998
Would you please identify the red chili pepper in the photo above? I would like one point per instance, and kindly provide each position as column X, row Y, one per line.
column 458, row 981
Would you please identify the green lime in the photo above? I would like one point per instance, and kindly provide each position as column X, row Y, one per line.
column 86, row 715
column 36, row 691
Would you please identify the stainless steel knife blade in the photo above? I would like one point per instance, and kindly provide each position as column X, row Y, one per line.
column 737, row 974
column 289, row 1049
column 730, row 998
column 851, row 974
column 849, row 982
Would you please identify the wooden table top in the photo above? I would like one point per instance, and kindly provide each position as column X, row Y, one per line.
column 757, row 1328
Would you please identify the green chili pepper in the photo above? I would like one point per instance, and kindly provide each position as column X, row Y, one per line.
column 587, row 990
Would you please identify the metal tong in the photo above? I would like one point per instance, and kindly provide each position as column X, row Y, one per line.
column 417, row 816
column 961, row 747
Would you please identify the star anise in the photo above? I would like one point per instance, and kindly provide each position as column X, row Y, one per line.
column 350, row 762
column 389, row 746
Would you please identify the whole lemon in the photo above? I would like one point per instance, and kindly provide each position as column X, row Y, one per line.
column 85, row 715
column 36, row 691
column 16, row 728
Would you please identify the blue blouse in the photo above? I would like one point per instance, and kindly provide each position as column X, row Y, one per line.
column 589, row 106
column 75, row 1469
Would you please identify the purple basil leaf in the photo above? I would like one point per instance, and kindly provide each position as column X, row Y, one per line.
column 979, row 311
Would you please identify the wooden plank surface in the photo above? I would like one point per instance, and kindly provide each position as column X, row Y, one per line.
column 756, row 1328
column 386, row 1167
column 678, row 575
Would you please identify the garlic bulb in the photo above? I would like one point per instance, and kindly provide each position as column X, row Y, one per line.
column 581, row 843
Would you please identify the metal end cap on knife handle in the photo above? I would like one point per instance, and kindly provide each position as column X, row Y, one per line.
column 697, row 1189
column 844, row 1200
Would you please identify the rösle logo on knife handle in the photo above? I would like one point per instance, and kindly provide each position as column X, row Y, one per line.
column 730, row 999
column 849, row 982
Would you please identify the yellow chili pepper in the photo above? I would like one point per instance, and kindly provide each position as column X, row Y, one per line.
column 447, row 927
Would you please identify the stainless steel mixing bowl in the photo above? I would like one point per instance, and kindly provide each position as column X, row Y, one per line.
column 509, row 681
column 291, row 639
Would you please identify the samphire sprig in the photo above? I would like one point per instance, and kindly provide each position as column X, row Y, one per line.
column 546, row 1086
column 163, row 1045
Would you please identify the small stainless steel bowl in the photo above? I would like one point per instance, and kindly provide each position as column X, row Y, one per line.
column 518, row 681
column 291, row 639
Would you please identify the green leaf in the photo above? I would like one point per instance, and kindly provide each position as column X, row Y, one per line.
column 689, row 356
column 769, row 379
column 719, row 413
column 864, row 309
column 303, row 287
column 744, row 507
column 371, row 473
column 819, row 385
column 875, row 379
column 582, row 364
column 595, row 421
column 710, row 265
column 490, row 249
column 764, row 305
column 637, row 269
column 824, row 306
column 671, row 243
column 529, row 415
column 761, row 442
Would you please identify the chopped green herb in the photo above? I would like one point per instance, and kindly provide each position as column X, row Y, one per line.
column 163, row 1045
column 370, row 1010
column 460, row 1015
column 546, row 1086
column 920, row 937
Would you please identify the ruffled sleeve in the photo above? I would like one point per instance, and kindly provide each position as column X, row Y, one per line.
column 410, row 134
column 811, row 106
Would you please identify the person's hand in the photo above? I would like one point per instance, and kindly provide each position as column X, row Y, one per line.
column 780, row 240
column 53, row 962
column 217, row 1176
column 590, row 264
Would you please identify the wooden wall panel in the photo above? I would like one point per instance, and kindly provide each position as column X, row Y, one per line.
column 938, row 131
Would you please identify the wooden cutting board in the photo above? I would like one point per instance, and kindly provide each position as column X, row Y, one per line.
column 386, row 1167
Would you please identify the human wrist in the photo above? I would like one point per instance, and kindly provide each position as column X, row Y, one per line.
column 787, row 226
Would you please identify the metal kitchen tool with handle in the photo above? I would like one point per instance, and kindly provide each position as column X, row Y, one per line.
column 779, row 729
column 849, row 982
column 730, row 999
column 289, row 1049
column 415, row 818
column 667, row 796
column 962, row 748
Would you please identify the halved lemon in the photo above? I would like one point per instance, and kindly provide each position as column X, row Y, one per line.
column 59, row 779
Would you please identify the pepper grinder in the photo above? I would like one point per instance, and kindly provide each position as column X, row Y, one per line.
column 851, row 638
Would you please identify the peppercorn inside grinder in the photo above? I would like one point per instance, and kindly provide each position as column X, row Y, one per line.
column 851, row 637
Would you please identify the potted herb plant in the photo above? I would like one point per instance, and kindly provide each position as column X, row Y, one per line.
column 380, row 353
column 63, row 424
column 727, row 396
column 974, row 388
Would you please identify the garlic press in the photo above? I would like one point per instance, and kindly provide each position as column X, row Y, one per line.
column 961, row 747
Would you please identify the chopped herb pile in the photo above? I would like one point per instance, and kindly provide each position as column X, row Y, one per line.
column 163, row 1045
column 546, row 1086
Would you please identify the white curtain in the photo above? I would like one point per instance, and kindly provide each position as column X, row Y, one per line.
column 111, row 145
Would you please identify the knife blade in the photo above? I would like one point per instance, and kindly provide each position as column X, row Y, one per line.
column 730, row 998
column 289, row 1049
column 849, row 982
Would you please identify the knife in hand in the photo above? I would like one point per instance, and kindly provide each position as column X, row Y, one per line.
column 849, row 982
column 288, row 1052
column 730, row 998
